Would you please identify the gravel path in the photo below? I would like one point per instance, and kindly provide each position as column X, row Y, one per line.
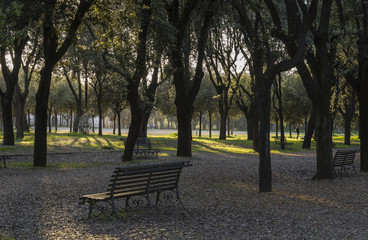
column 220, row 193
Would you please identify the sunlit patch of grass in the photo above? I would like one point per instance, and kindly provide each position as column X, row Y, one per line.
column 231, row 145
column 55, row 165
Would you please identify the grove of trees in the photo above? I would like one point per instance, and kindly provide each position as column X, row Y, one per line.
column 270, row 61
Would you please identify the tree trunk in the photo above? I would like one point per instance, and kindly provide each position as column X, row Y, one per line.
column 277, row 126
column 210, row 124
column 20, row 115
column 228, row 127
column 77, row 119
column 265, row 169
column 119, row 123
column 29, row 119
column 56, row 121
column 93, row 123
column 142, row 132
column 71, row 120
column 26, row 126
column 6, row 104
column 290, row 131
column 114, row 124
column 324, row 140
column 42, row 96
column 310, row 129
column 223, row 117
column 347, row 131
column 363, row 114
column 136, row 120
column 200, row 124
column 100, row 123
column 250, row 126
column 184, row 130
column 49, row 121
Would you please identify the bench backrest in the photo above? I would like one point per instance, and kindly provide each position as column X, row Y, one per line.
column 344, row 157
column 145, row 178
column 143, row 143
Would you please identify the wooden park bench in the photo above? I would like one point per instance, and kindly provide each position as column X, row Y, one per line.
column 143, row 148
column 3, row 159
column 139, row 181
column 344, row 158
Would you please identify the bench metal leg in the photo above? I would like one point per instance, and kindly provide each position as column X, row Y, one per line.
column 114, row 208
column 178, row 197
column 157, row 197
column 149, row 202
column 91, row 203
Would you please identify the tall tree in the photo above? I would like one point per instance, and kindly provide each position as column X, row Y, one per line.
column 29, row 65
column 53, row 51
column 223, row 56
column 186, row 87
column 129, row 58
column 205, row 101
column 360, row 84
column 346, row 108
column 98, row 83
column 266, row 67
column 15, row 18
column 278, row 107
column 317, row 77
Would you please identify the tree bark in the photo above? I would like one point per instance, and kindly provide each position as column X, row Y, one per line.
column 223, row 117
column 265, row 169
column 363, row 114
column 49, row 116
column 142, row 132
column 310, row 129
column 200, row 124
column 324, row 140
column 184, row 117
column 56, row 121
column 119, row 124
column 20, row 115
column 6, row 104
column 347, row 131
column 40, row 143
column 210, row 124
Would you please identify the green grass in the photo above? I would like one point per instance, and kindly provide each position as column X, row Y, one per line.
column 54, row 165
column 66, row 142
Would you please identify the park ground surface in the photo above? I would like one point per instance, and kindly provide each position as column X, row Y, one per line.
column 220, row 193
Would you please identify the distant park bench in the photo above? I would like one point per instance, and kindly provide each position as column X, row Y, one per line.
column 127, row 182
column 4, row 157
column 344, row 158
column 278, row 143
column 143, row 148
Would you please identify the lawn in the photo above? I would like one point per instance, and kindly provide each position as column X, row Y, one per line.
column 66, row 142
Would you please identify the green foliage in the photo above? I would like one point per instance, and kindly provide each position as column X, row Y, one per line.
column 205, row 100
column 296, row 103
column 165, row 97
